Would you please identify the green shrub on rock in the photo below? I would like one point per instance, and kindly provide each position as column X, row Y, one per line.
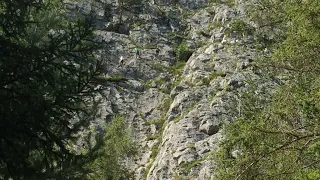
column 182, row 52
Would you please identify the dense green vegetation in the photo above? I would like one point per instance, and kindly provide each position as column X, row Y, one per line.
column 49, row 76
column 108, row 159
column 278, row 134
column 182, row 52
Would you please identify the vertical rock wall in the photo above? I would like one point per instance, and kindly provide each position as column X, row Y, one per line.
column 176, row 116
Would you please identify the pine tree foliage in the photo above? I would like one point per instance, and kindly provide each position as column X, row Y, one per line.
column 117, row 146
column 270, row 21
column 49, row 77
column 279, row 138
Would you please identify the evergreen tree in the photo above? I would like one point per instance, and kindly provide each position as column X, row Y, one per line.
column 116, row 147
column 49, row 75
column 281, row 139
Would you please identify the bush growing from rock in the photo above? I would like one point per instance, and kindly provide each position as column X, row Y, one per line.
column 182, row 52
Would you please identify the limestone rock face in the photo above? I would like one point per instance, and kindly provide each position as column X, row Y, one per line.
column 176, row 116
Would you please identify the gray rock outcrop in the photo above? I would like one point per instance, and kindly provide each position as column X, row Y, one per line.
column 176, row 116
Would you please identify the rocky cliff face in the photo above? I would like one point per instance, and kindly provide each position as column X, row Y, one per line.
column 175, row 110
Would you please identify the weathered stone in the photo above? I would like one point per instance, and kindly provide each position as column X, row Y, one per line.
column 188, row 117
column 176, row 90
column 210, row 126
column 223, row 13
column 235, row 153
